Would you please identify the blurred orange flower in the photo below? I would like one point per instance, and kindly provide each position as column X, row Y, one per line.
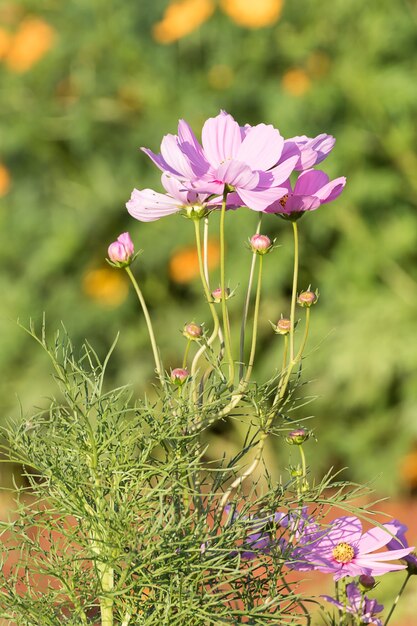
column 408, row 469
column 296, row 82
column 5, row 41
column 181, row 18
column 30, row 43
column 107, row 286
column 4, row 180
column 253, row 13
column 183, row 265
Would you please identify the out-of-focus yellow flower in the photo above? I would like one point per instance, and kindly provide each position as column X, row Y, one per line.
column 5, row 180
column 181, row 18
column 296, row 82
column 5, row 41
column 318, row 64
column 183, row 265
column 31, row 42
column 220, row 77
column 408, row 469
column 253, row 13
column 107, row 286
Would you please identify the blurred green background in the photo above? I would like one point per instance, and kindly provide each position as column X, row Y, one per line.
column 84, row 84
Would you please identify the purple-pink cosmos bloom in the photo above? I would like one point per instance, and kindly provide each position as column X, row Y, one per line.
column 400, row 541
column 358, row 605
column 247, row 160
column 343, row 550
column 311, row 150
column 312, row 189
column 148, row 205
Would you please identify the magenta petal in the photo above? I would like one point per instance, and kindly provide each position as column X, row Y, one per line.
column 147, row 205
column 309, row 182
column 237, row 174
column 388, row 555
column 261, row 148
column 300, row 203
column 221, row 138
column 175, row 188
column 332, row 190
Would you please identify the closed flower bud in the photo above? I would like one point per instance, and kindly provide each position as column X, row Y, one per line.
column 193, row 331
column 179, row 375
column 216, row 294
column 307, row 298
column 261, row 244
column 121, row 251
column 297, row 437
column 366, row 582
column 283, row 326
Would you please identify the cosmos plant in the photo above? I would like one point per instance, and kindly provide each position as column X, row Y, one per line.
column 124, row 518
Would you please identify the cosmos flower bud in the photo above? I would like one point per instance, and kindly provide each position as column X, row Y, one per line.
column 179, row 375
column 307, row 298
column 366, row 582
column 261, row 244
column 216, row 294
column 297, row 437
column 283, row 326
column 193, row 331
column 121, row 251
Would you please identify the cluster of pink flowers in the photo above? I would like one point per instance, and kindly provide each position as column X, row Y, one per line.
column 248, row 165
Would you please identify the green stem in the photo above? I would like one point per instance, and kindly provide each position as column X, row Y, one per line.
column 303, row 481
column 203, row 269
column 246, row 307
column 151, row 333
column 187, row 349
column 397, row 599
column 255, row 321
column 226, row 327
column 294, row 290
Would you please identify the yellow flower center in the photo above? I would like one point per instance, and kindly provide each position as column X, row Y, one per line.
column 343, row 553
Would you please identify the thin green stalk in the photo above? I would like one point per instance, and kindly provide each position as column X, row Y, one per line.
column 403, row 586
column 226, row 327
column 303, row 481
column 304, row 341
column 151, row 333
column 186, row 351
column 203, row 268
column 205, row 250
column 294, row 290
column 255, row 321
column 246, row 307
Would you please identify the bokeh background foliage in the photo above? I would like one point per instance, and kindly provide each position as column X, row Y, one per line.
column 84, row 84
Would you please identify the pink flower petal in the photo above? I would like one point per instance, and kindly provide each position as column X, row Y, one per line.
column 377, row 537
column 221, row 138
column 147, row 205
column 332, row 190
column 282, row 171
column 237, row 174
column 260, row 200
column 160, row 162
column 309, row 182
column 261, row 148
column 187, row 141
column 175, row 158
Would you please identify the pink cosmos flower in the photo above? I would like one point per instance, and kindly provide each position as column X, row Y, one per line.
column 342, row 549
column 358, row 605
column 248, row 160
column 312, row 189
column 147, row 205
column 312, row 150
